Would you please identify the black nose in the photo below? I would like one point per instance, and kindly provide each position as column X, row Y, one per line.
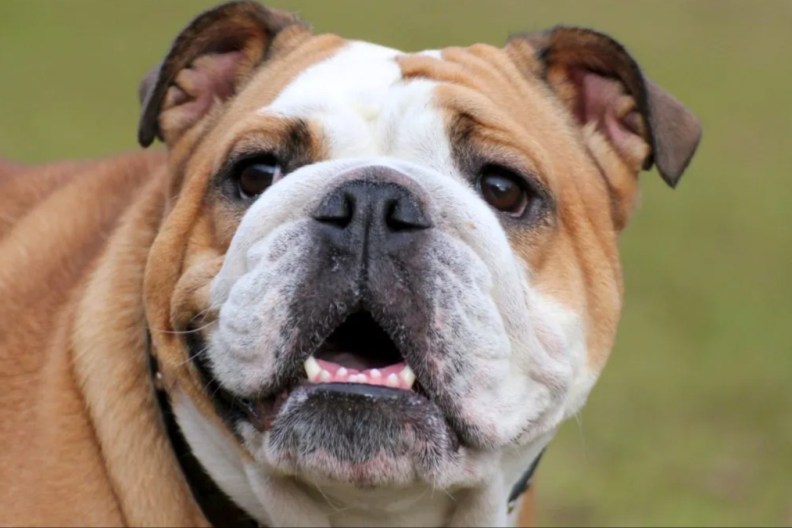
column 380, row 208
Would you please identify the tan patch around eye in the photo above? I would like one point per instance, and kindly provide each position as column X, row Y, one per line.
column 575, row 259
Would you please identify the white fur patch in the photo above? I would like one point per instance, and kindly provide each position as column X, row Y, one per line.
column 365, row 108
column 217, row 453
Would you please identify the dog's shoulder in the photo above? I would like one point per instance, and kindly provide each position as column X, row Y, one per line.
column 61, row 225
column 55, row 221
column 36, row 192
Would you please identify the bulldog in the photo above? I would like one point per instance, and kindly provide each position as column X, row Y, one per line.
column 360, row 287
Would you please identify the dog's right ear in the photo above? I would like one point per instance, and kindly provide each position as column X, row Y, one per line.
column 206, row 65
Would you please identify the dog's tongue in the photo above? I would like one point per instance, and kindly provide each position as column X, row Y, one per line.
column 398, row 375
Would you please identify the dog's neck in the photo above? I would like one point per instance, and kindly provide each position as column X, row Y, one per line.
column 215, row 504
column 343, row 505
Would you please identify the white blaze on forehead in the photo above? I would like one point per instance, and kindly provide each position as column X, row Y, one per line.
column 365, row 108
column 360, row 75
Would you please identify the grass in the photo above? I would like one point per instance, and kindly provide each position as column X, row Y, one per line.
column 691, row 423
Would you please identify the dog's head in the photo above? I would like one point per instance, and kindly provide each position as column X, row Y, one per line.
column 382, row 270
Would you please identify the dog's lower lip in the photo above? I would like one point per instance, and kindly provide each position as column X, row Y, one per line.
column 261, row 412
column 342, row 414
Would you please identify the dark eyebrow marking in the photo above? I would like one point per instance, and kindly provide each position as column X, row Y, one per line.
column 298, row 142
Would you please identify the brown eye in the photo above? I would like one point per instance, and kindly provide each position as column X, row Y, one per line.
column 254, row 176
column 503, row 190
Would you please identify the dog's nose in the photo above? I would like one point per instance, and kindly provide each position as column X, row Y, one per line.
column 375, row 209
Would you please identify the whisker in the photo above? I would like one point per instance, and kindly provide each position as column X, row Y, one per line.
column 198, row 316
column 336, row 508
column 448, row 493
column 183, row 332
column 579, row 421
column 193, row 356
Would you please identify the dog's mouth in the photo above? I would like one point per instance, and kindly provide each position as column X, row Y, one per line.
column 357, row 357
column 351, row 411
column 359, row 351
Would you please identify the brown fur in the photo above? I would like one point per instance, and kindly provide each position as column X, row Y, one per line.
column 70, row 283
column 576, row 261
column 76, row 239
column 94, row 254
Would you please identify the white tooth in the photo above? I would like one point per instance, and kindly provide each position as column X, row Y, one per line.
column 312, row 368
column 376, row 374
column 342, row 372
column 362, row 378
column 408, row 376
column 392, row 380
column 324, row 375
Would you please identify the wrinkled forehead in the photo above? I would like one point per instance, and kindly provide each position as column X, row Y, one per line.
column 364, row 106
column 369, row 100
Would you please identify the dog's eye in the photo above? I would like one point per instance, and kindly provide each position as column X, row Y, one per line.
column 255, row 175
column 504, row 190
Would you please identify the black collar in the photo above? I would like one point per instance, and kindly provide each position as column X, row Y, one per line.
column 218, row 509
column 524, row 483
column 215, row 504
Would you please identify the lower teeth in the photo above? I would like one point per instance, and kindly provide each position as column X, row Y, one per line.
column 317, row 373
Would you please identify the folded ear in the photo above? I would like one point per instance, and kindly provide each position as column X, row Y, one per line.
column 601, row 83
column 206, row 64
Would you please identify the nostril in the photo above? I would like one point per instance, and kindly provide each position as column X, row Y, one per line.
column 403, row 214
column 374, row 206
column 337, row 209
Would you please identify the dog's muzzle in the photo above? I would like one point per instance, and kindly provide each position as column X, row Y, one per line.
column 357, row 391
column 358, row 405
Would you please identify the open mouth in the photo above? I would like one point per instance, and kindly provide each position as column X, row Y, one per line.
column 352, row 410
column 359, row 351
column 358, row 355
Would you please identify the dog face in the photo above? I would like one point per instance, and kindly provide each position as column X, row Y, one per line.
column 389, row 271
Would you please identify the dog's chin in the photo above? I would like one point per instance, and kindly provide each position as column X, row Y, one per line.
column 363, row 435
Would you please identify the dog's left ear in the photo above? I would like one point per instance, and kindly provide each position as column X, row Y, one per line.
column 207, row 64
column 600, row 83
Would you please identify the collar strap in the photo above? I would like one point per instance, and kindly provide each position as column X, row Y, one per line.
column 524, row 483
column 218, row 509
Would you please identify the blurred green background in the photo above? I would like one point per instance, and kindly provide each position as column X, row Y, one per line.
column 691, row 423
